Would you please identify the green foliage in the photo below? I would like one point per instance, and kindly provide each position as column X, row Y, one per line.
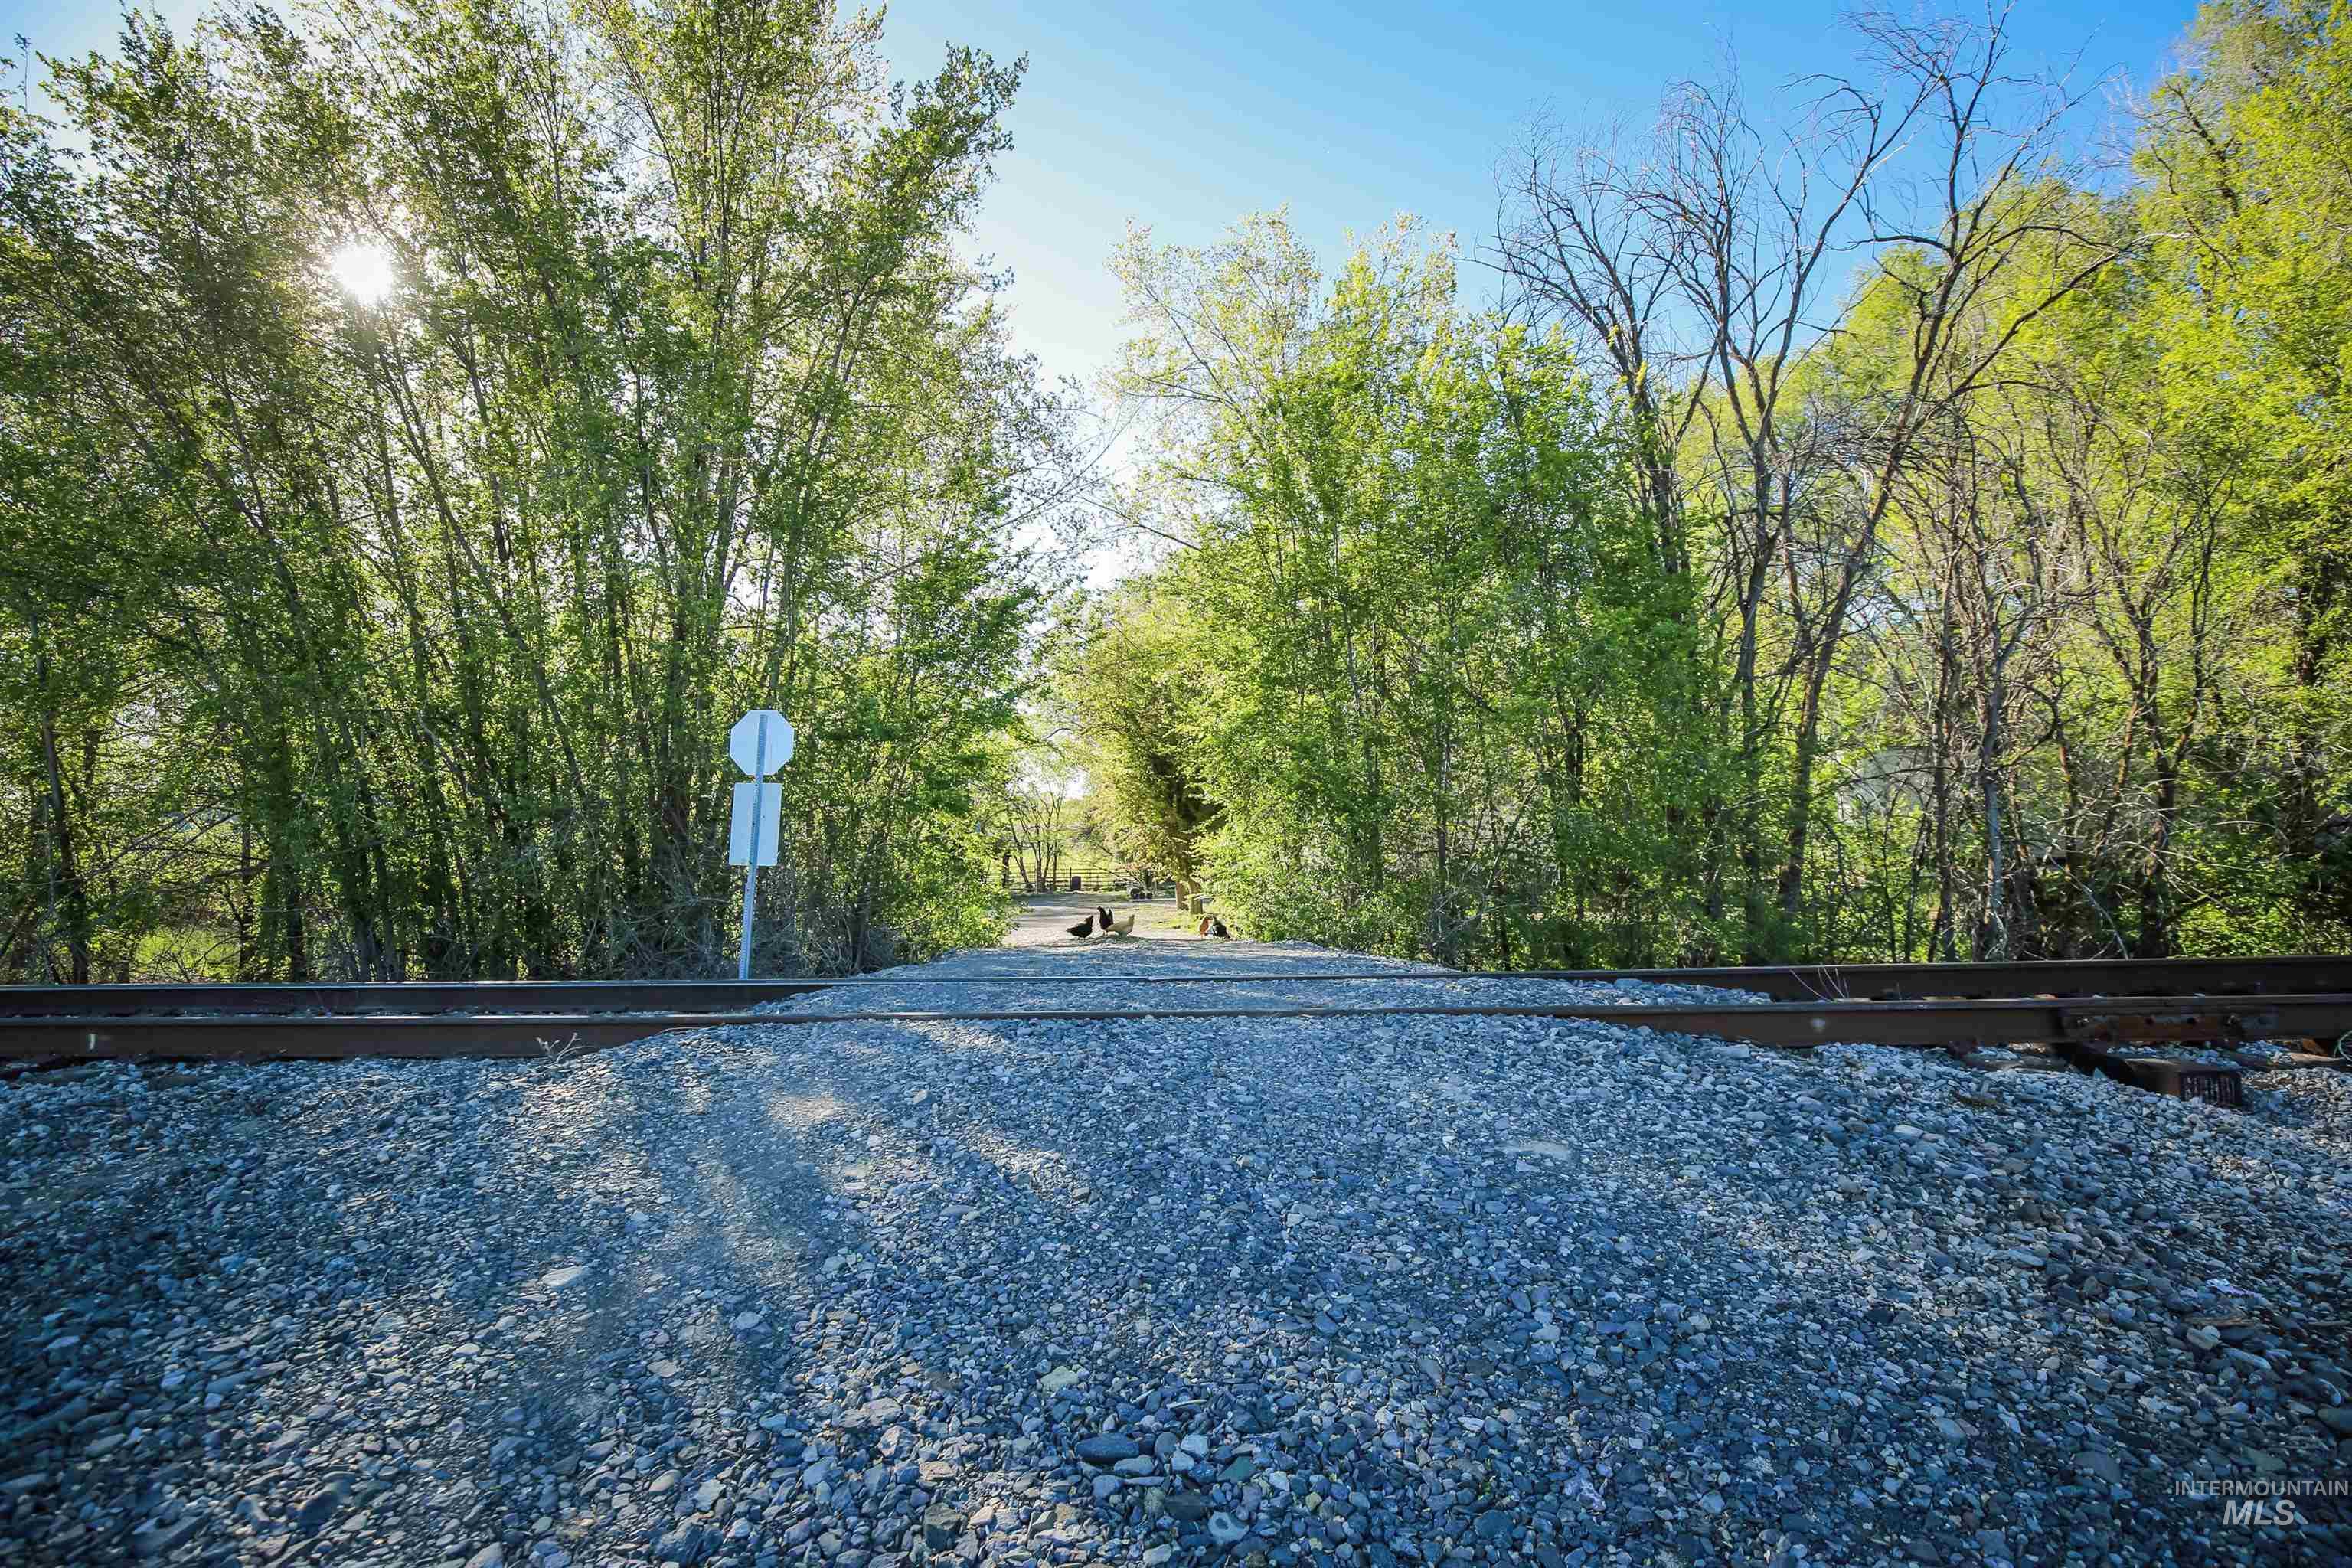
column 1415, row 652
column 1123, row 675
column 401, row 636
column 1995, row 600
column 2106, row 698
column 2249, row 314
column 2009, row 617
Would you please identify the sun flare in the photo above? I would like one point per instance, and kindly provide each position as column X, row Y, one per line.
column 365, row 271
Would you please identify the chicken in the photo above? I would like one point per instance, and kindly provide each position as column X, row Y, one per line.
column 1083, row 928
column 1123, row 928
column 1204, row 927
column 1102, row 915
column 1217, row 927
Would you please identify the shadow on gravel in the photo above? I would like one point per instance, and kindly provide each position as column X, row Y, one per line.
column 976, row 1246
column 1274, row 1239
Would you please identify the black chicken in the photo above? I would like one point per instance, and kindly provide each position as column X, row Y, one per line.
column 1083, row 928
column 1102, row 917
column 1217, row 927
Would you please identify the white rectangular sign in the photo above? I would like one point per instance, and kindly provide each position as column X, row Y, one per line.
column 771, row 811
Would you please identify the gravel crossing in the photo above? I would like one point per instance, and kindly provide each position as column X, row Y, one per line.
column 1356, row 1290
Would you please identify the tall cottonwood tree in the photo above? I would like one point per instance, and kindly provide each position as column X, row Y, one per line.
column 1706, row 264
column 2246, row 185
column 1421, row 631
column 680, row 402
column 1990, row 524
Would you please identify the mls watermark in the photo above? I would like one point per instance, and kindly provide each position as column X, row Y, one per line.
column 2272, row 1501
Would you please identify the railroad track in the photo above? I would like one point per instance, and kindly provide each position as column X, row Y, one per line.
column 2300, row 975
column 2012, row 1021
column 2202, row 1001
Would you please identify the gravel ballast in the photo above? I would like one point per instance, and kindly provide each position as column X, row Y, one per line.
column 1363, row 1290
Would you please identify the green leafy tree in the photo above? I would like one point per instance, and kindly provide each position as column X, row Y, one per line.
column 497, row 402
column 1414, row 620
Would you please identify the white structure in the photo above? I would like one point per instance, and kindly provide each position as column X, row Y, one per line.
column 760, row 741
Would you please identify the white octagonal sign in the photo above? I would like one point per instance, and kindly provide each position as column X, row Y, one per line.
column 760, row 742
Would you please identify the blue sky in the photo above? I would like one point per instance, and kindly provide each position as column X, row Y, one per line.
column 1185, row 117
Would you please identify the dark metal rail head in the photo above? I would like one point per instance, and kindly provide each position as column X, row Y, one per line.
column 261, row 1036
column 2302, row 974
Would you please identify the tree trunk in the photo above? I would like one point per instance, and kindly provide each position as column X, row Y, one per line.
column 1993, row 930
column 68, row 897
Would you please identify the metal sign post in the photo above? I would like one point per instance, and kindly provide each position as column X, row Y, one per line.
column 759, row 740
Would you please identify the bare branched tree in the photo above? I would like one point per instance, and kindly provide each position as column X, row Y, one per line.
column 1719, row 266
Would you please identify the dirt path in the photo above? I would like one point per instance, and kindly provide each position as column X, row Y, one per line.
column 1046, row 919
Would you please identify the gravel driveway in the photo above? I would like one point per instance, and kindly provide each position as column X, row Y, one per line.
column 1352, row 1290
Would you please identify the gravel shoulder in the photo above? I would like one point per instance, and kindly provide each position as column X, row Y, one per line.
column 1356, row 1290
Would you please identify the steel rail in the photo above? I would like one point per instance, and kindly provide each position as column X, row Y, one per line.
column 2004, row 1021
column 2299, row 975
